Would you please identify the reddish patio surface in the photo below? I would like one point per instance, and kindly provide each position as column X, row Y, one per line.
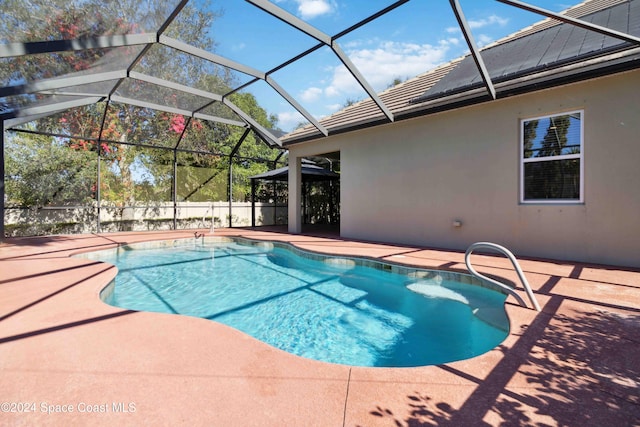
column 577, row 363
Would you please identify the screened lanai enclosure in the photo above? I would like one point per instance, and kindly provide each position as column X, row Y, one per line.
column 117, row 116
column 146, row 115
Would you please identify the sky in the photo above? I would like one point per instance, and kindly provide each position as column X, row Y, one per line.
column 410, row 40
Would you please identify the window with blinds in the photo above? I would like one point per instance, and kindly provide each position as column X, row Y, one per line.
column 551, row 159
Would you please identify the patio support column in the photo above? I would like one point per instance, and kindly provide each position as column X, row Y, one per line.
column 2, row 197
column 174, row 189
column 174, row 181
column 305, row 192
column 274, row 188
column 253, row 202
column 98, row 192
column 331, row 205
column 230, row 191
column 295, row 194
column 98, row 173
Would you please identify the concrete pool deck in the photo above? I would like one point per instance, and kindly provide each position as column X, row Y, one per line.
column 66, row 358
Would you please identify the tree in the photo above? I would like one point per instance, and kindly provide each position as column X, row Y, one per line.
column 42, row 171
column 530, row 133
column 349, row 102
column 555, row 139
column 130, row 173
column 396, row 81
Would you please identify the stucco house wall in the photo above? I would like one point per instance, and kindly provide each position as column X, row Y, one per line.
column 407, row 182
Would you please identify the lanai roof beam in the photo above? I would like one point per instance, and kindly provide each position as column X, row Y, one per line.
column 292, row 20
column 44, row 110
column 475, row 52
column 211, row 57
column 258, row 75
column 311, row 31
column 273, row 140
column 61, row 82
column 174, row 86
column 296, row 105
column 52, row 46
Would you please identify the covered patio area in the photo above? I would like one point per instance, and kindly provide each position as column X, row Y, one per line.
column 67, row 358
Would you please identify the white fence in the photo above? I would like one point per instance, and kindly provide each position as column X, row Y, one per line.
column 158, row 216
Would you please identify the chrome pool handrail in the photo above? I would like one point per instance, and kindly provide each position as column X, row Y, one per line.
column 516, row 266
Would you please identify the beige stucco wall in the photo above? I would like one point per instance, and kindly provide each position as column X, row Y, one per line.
column 407, row 182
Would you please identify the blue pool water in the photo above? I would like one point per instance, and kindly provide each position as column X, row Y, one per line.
column 331, row 311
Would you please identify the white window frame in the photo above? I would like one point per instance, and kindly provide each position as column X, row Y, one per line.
column 579, row 156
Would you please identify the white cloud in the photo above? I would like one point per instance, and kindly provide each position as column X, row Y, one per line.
column 380, row 62
column 290, row 119
column 387, row 61
column 309, row 9
column 342, row 82
column 354, row 44
column 491, row 20
column 483, row 40
column 475, row 24
column 311, row 94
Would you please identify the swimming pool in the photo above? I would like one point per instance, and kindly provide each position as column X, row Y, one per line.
column 349, row 311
